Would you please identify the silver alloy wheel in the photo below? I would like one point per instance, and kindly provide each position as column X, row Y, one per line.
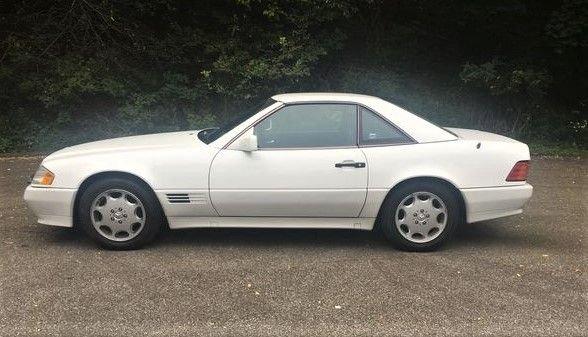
column 118, row 215
column 421, row 217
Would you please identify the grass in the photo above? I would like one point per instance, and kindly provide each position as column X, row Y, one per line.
column 557, row 150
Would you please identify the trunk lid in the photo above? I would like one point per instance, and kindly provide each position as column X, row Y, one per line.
column 476, row 135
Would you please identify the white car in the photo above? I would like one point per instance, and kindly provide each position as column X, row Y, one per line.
column 303, row 160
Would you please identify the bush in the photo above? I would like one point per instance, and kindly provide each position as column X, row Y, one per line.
column 72, row 72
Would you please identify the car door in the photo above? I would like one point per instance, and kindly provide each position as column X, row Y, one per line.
column 307, row 164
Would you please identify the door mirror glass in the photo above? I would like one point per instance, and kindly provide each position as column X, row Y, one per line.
column 247, row 142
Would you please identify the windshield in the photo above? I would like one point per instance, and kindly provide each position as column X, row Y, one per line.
column 211, row 134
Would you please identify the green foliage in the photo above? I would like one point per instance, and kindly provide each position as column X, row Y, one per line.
column 568, row 26
column 381, row 83
column 78, row 71
column 502, row 79
column 270, row 46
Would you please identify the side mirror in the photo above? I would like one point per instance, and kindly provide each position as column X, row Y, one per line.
column 247, row 143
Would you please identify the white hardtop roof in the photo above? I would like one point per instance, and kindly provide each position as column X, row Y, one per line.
column 419, row 129
column 324, row 96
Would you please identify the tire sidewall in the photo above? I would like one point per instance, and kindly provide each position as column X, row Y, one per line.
column 388, row 218
column 153, row 213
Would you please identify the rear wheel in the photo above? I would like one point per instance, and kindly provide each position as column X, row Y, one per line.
column 420, row 216
column 119, row 213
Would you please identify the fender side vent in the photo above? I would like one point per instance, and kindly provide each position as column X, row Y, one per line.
column 185, row 198
column 174, row 198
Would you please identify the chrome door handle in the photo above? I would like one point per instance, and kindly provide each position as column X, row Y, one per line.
column 350, row 164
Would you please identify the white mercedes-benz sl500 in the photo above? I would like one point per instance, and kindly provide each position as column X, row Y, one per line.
column 303, row 160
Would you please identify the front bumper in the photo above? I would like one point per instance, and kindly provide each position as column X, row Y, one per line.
column 52, row 206
column 495, row 202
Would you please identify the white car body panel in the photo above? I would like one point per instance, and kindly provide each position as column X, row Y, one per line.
column 53, row 206
column 288, row 183
column 222, row 187
column 495, row 202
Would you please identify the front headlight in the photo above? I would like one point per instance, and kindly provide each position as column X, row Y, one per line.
column 43, row 177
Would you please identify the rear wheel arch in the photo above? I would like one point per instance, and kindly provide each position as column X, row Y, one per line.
column 112, row 174
column 430, row 179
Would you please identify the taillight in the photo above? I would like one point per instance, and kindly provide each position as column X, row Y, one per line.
column 519, row 171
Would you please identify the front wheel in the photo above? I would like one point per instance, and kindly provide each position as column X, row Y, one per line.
column 119, row 214
column 420, row 216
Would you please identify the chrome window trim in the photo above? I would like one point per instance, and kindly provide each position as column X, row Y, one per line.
column 306, row 148
column 387, row 144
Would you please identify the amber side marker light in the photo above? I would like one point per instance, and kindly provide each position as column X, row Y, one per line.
column 43, row 177
column 519, row 172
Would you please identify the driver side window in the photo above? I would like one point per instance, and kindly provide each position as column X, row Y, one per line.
column 308, row 126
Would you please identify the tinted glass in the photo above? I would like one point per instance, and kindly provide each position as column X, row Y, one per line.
column 309, row 125
column 375, row 130
column 210, row 135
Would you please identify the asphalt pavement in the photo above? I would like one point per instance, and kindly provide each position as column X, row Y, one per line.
column 523, row 275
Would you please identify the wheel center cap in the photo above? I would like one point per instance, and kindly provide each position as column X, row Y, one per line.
column 118, row 215
column 422, row 216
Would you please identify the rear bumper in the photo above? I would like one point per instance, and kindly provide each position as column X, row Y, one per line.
column 52, row 206
column 495, row 202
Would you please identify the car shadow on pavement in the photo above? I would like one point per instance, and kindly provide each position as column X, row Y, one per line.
column 257, row 237
column 482, row 234
column 65, row 237
column 487, row 234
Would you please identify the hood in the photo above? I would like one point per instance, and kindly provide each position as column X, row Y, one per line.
column 122, row 144
column 476, row 135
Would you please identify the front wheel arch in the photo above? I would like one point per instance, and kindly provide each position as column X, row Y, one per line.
column 113, row 174
column 435, row 180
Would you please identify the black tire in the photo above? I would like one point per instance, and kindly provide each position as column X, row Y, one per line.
column 154, row 217
column 387, row 218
